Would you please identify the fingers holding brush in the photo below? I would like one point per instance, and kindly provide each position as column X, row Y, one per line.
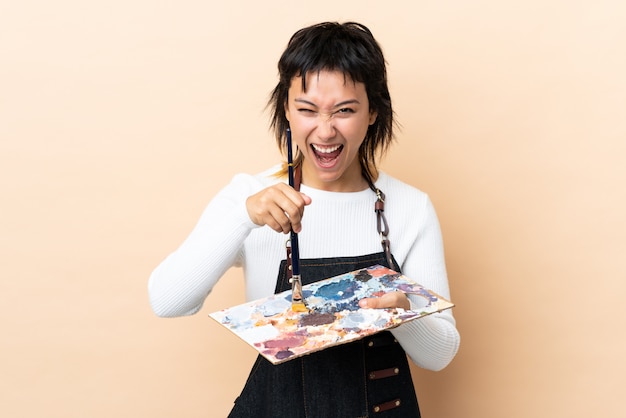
column 279, row 206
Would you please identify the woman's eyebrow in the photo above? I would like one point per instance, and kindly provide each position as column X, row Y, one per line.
column 344, row 103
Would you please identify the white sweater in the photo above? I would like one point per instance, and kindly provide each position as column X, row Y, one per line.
column 334, row 225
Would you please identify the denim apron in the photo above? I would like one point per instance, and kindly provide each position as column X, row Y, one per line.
column 365, row 378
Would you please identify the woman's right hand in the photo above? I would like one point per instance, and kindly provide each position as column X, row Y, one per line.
column 279, row 206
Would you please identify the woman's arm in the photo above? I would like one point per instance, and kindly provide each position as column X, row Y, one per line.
column 181, row 283
column 433, row 341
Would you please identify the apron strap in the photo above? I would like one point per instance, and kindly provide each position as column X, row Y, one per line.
column 383, row 227
column 381, row 221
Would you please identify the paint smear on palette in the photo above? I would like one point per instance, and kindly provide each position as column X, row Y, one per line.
column 334, row 317
column 313, row 319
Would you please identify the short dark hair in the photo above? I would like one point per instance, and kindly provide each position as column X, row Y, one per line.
column 351, row 49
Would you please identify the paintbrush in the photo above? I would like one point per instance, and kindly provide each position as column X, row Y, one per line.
column 297, row 302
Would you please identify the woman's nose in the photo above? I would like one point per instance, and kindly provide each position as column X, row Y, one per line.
column 325, row 126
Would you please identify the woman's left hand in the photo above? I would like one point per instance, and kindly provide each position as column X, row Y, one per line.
column 388, row 300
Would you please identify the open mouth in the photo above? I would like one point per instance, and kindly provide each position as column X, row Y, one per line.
column 326, row 155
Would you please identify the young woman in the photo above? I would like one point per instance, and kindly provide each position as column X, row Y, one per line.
column 333, row 96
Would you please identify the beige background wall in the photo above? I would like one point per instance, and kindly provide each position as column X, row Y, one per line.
column 119, row 120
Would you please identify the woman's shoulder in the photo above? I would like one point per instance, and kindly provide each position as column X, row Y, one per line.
column 272, row 174
column 264, row 178
column 406, row 202
column 393, row 187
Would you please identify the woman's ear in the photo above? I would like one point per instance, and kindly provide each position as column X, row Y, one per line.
column 373, row 116
column 287, row 115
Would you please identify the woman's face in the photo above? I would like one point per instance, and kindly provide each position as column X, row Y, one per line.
column 328, row 124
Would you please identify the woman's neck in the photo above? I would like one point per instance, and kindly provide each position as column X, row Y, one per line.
column 351, row 181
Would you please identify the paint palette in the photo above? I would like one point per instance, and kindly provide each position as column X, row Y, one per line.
column 334, row 316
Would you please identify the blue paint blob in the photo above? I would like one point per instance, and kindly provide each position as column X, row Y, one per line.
column 343, row 289
column 305, row 294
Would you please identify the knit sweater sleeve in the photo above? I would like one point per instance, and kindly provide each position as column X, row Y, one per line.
column 181, row 283
column 433, row 341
